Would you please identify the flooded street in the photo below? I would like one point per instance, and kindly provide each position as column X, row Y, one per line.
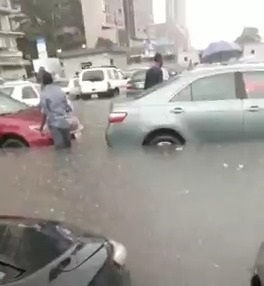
column 193, row 217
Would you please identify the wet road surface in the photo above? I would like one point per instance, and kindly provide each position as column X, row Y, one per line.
column 187, row 218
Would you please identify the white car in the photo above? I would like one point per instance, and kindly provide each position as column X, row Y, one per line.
column 23, row 91
column 102, row 82
column 70, row 87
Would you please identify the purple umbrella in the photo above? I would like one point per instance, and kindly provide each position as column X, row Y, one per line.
column 221, row 51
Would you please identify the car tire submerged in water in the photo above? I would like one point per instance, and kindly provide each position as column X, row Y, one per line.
column 164, row 140
column 14, row 143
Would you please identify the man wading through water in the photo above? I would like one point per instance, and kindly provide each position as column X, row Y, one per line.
column 155, row 74
column 55, row 109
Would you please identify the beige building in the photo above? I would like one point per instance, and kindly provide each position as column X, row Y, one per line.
column 176, row 12
column 102, row 19
column 11, row 60
column 176, row 24
column 138, row 18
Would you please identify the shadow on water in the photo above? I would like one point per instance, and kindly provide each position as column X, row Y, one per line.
column 188, row 217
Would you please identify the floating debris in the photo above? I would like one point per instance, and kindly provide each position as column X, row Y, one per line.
column 225, row 165
column 179, row 149
column 240, row 167
column 185, row 192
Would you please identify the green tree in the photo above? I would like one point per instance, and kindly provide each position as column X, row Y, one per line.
column 47, row 18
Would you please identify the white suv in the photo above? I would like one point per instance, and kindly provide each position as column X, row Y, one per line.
column 101, row 81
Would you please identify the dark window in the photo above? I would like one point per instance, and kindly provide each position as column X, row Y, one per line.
column 218, row 87
column 28, row 93
column 254, row 84
column 93, row 75
column 184, row 95
column 139, row 76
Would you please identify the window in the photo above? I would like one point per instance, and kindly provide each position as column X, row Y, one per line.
column 7, row 90
column 218, row 87
column 10, row 105
column 184, row 95
column 116, row 75
column 93, row 75
column 110, row 74
column 28, row 93
column 254, row 84
column 139, row 76
column 121, row 75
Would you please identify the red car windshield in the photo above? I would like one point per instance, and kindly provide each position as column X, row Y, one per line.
column 10, row 105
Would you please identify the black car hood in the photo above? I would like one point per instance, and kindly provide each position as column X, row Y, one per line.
column 28, row 245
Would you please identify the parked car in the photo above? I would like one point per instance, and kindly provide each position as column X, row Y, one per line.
column 214, row 104
column 39, row 252
column 102, row 82
column 70, row 87
column 136, row 81
column 23, row 91
column 19, row 125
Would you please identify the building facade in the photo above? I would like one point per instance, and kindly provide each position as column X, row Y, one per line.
column 176, row 26
column 176, row 12
column 12, row 64
column 138, row 18
column 103, row 19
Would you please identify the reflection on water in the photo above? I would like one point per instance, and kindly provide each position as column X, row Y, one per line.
column 196, row 214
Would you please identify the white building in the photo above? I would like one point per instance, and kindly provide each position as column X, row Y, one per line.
column 254, row 51
column 11, row 60
column 102, row 19
column 138, row 18
column 176, row 12
column 176, row 23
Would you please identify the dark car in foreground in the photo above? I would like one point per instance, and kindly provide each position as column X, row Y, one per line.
column 38, row 252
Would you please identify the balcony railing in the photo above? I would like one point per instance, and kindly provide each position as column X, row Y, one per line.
column 5, row 7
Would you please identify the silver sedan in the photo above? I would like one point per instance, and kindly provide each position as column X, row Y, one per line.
column 209, row 104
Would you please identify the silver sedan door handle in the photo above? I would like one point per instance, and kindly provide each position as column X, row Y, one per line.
column 177, row 110
column 254, row 108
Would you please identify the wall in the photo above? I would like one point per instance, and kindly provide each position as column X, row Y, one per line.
column 12, row 72
column 102, row 13
column 258, row 48
column 72, row 65
column 184, row 58
column 92, row 19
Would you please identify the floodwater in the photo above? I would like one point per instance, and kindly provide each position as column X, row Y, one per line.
column 191, row 217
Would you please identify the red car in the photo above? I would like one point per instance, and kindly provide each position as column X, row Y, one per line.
column 19, row 125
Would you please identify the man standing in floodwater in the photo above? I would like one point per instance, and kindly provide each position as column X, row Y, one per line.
column 55, row 109
column 154, row 75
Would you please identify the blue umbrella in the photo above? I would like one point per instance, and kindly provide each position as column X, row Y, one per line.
column 221, row 51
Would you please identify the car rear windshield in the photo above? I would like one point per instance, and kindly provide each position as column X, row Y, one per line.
column 10, row 105
column 162, row 88
column 7, row 90
column 139, row 76
column 94, row 75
